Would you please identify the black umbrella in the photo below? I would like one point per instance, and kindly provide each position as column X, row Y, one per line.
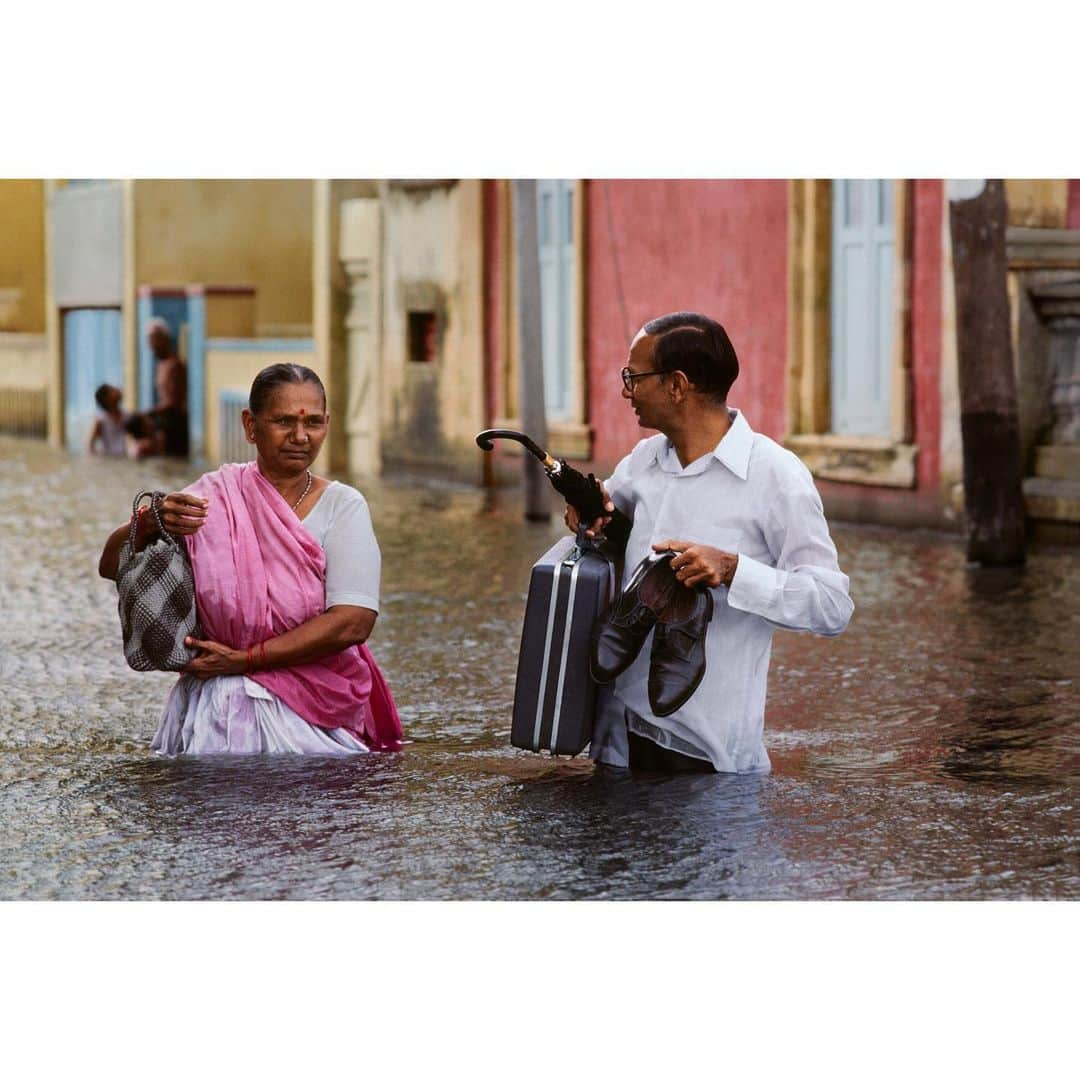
column 580, row 491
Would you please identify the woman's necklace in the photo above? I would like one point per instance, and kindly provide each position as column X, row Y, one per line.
column 306, row 490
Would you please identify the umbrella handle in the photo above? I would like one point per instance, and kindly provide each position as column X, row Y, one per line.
column 580, row 491
column 483, row 440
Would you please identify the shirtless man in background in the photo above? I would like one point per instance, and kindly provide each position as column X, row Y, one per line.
column 169, row 417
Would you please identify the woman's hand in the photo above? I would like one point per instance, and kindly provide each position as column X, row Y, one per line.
column 339, row 628
column 216, row 659
column 182, row 514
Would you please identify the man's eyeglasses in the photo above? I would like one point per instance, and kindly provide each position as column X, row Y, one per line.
column 629, row 376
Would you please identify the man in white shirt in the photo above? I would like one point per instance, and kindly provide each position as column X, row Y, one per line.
column 746, row 521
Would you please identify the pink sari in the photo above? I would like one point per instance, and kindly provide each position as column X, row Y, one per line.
column 259, row 572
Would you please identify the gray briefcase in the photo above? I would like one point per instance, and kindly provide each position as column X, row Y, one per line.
column 572, row 586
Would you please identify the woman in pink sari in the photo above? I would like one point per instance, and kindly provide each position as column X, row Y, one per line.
column 286, row 573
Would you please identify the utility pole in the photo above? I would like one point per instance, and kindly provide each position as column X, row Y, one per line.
column 989, row 422
column 530, row 350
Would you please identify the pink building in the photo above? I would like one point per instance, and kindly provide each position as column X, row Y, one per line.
column 838, row 298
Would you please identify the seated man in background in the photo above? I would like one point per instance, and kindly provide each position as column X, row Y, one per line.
column 169, row 417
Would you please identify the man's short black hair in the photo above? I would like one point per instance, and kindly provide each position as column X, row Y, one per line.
column 697, row 346
column 101, row 393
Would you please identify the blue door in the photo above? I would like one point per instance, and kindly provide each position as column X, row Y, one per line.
column 92, row 356
column 862, row 306
column 174, row 310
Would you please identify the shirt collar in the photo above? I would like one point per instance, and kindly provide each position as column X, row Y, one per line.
column 733, row 450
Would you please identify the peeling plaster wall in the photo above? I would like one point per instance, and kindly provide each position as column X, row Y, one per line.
column 433, row 261
column 715, row 246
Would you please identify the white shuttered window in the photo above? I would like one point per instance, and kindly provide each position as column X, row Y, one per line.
column 863, row 244
column 556, row 228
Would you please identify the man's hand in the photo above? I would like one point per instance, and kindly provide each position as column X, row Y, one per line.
column 573, row 518
column 182, row 514
column 697, row 564
column 215, row 660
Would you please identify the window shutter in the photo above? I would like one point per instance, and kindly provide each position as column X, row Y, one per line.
column 556, row 227
column 862, row 306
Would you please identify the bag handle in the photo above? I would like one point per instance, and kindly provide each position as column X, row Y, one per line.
column 155, row 505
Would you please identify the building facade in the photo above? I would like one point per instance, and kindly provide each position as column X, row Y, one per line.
column 402, row 294
column 228, row 264
column 838, row 297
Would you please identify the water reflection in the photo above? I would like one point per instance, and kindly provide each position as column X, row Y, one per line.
column 1017, row 724
column 930, row 752
column 706, row 830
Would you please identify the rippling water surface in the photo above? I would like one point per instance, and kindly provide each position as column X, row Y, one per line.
column 930, row 752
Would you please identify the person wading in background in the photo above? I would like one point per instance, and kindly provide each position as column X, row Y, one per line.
column 170, row 415
column 746, row 522
column 108, row 436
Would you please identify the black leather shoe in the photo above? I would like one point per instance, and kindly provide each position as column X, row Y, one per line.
column 618, row 639
column 677, row 661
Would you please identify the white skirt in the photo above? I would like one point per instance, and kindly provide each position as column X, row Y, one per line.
column 231, row 714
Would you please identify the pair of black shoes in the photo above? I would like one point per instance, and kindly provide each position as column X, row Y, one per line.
column 655, row 598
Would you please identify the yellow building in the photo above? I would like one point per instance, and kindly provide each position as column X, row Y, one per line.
column 344, row 276
column 23, row 369
column 400, row 293
column 223, row 261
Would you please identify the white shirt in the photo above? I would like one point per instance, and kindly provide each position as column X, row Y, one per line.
column 112, row 434
column 341, row 522
column 753, row 498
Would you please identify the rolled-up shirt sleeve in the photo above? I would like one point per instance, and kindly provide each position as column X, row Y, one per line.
column 805, row 589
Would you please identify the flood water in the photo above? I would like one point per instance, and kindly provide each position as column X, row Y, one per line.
column 931, row 752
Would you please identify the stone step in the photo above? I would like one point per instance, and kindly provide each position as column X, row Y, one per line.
column 1052, row 499
column 1058, row 462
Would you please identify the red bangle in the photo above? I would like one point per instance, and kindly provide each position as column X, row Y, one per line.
column 262, row 653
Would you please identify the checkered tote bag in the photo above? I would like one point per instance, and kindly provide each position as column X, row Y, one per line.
column 157, row 598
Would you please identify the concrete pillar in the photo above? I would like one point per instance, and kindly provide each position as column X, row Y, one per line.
column 1058, row 304
column 330, row 303
column 53, row 342
column 128, row 300
column 360, row 249
column 322, row 313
